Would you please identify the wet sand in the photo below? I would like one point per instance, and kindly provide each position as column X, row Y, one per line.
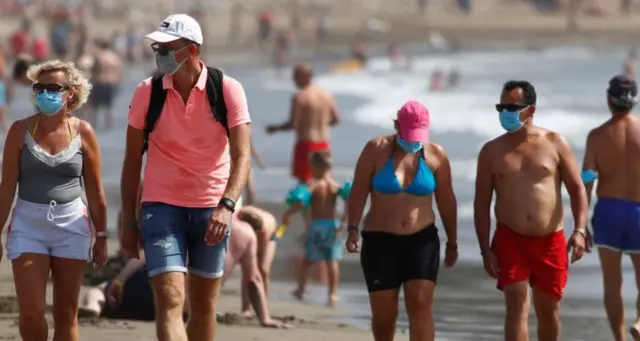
column 311, row 322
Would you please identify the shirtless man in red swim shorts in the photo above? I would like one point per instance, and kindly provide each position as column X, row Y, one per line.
column 526, row 167
column 313, row 112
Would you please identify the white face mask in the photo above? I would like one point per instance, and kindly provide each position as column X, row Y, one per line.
column 167, row 62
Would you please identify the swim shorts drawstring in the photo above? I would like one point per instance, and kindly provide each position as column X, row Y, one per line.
column 52, row 206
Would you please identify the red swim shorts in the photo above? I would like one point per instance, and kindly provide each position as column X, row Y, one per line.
column 300, row 168
column 543, row 261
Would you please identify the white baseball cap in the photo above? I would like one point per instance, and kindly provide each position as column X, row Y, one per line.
column 177, row 26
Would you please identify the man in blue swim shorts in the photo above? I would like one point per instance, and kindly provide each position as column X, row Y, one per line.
column 322, row 243
column 612, row 157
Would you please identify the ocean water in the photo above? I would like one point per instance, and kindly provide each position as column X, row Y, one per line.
column 570, row 83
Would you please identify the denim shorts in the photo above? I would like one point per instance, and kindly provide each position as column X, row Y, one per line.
column 173, row 239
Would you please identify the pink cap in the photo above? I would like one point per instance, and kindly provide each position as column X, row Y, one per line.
column 413, row 122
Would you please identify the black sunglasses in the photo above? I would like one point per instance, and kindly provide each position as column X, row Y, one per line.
column 510, row 107
column 51, row 87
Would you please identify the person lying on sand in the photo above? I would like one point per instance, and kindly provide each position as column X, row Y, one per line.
column 129, row 294
column 243, row 250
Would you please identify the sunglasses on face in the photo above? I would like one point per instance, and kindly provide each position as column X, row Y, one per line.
column 165, row 50
column 510, row 107
column 50, row 87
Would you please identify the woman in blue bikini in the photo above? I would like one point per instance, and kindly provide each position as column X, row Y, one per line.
column 402, row 173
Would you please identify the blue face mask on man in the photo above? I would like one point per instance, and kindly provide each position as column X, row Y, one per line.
column 510, row 117
column 166, row 62
column 49, row 103
column 409, row 147
column 510, row 120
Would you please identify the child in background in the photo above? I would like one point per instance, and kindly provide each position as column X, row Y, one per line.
column 322, row 243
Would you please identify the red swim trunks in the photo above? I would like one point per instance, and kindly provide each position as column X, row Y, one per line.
column 300, row 168
column 543, row 261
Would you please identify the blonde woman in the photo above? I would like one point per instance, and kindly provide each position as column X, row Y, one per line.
column 47, row 156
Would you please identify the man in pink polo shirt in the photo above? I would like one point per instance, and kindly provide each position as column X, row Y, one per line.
column 190, row 188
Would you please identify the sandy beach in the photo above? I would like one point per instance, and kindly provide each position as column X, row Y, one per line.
column 312, row 322
column 467, row 306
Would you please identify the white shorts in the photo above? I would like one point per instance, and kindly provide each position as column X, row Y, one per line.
column 62, row 231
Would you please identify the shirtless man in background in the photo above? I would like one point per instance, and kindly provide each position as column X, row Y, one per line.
column 106, row 77
column 313, row 112
column 630, row 63
column 612, row 153
column 525, row 167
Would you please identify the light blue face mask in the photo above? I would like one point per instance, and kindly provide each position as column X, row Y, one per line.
column 49, row 103
column 510, row 120
column 167, row 63
column 409, row 147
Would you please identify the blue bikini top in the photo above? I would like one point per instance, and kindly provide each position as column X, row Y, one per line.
column 423, row 183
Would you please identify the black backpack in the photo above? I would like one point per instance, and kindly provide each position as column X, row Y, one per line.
column 159, row 95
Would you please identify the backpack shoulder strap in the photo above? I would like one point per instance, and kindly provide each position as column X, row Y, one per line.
column 156, row 102
column 215, row 94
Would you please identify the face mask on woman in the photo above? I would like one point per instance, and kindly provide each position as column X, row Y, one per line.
column 409, row 147
column 49, row 103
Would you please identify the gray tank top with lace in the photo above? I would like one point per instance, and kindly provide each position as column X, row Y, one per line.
column 45, row 177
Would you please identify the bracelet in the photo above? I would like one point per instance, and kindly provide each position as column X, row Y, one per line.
column 582, row 231
column 484, row 250
column 352, row 228
column 102, row 234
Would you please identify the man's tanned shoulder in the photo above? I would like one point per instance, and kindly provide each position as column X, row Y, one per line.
column 488, row 149
column 555, row 137
column 597, row 132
